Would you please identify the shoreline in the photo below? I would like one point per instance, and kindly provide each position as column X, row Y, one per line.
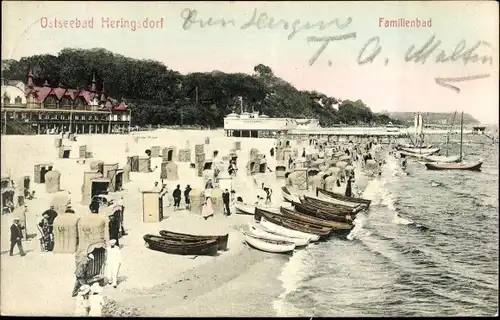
column 236, row 286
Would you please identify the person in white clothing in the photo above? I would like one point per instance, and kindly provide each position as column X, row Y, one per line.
column 82, row 301
column 96, row 301
column 113, row 262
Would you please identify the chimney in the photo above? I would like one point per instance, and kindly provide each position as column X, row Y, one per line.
column 103, row 96
column 92, row 87
column 30, row 78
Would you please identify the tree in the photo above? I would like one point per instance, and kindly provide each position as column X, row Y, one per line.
column 159, row 95
column 263, row 70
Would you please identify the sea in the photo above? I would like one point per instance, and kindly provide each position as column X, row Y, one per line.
column 428, row 246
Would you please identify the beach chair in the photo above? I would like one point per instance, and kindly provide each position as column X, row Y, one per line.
column 46, row 240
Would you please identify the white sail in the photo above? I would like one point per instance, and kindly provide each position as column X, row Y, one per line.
column 420, row 124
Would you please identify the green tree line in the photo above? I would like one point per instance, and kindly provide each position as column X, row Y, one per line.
column 159, row 95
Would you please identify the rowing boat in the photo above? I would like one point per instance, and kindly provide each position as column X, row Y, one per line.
column 221, row 239
column 341, row 197
column 277, row 229
column 244, row 208
column 295, row 224
column 327, row 205
column 311, row 210
column 260, row 232
column 267, row 245
column 288, row 196
column 199, row 248
column 320, row 222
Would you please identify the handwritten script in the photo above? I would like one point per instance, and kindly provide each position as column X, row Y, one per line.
column 432, row 50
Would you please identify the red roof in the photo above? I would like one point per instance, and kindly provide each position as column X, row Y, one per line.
column 121, row 107
column 42, row 92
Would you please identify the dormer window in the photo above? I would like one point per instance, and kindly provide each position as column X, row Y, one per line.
column 50, row 102
column 18, row 100
column 66, row 102
column 80, row 103
column 6, row 100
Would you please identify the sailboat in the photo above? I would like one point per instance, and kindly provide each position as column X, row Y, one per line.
column 475, row 166
column 418, row 150
column 447, row 158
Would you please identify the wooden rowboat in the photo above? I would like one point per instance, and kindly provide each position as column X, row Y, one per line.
column 288, row 196
column 311, row 210
column 333, row 208
column 339, row 196
column 221, row 239
column 277, row 229
column 267, row 245
column 244, row 208
column 295, row 224
column 201, row 248
column 329, row 206
column 320, row 222
column 260, row 232
column 455, row 166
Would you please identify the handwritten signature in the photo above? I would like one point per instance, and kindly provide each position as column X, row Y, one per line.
column 372, row 48
column 261, row 20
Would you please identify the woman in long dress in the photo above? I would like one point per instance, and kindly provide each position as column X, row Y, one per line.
column 207, row 210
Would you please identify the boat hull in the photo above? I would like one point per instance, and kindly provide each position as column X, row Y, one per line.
column 443, row 159
column 262, row 233
column 269, row 245
column 202, row 247
column 277, row 229
column 244, row 208
column 339, row 196
column 285, row 193
column 454, row 166
column 311, row 210
column 221, row 239
column 295, row 224
column 326, row 223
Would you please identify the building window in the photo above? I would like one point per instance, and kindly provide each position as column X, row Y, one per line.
column 83, row 117
column 24, row 115
column 80, row 103
column 65, row 102
column 50, row 102
column 6, row 100
column 18, row 100
column 77, row 117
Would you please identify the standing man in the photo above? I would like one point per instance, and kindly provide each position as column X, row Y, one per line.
column 122, row 206
column 187, row 198
column 16, row 236
column 114, row 260
column 226, row 199
column 114, row 225
column 177, row 197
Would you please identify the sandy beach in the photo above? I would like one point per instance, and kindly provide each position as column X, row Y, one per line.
column 238, row 282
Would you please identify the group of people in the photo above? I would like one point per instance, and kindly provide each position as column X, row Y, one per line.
column 89, row 301
column 177, row 195
column 87, row 289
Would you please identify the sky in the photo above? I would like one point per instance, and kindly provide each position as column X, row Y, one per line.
column 387, row 83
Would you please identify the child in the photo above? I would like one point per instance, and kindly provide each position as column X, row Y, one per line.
column 82, row 302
